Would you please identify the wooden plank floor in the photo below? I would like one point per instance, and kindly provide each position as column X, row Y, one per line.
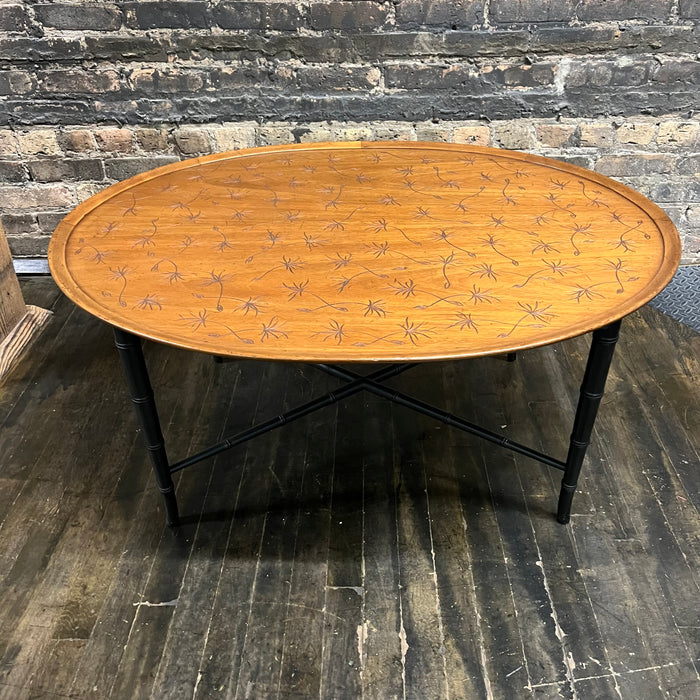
column 363, row 552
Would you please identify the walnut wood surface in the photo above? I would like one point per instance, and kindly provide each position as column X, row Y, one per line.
column 364, row 251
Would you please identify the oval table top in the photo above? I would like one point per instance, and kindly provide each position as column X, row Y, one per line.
column 364, row 251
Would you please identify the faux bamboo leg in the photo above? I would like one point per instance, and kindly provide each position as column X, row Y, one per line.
column 131, row 355
column 599, row 358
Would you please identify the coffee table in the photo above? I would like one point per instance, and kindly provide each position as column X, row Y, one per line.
column 387, row 252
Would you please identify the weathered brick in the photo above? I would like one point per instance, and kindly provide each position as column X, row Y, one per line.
column 77, row 140
column 513, row 134
column 530, row 11
column 123, row 168
column 689, row 165
column 433, row 132
column 9, row 145
column 28, row 246
column 689, row 9
column 557, row 135
column 580, row 160
column 16, row 82
column 396, row 131
column 232, row 137
column 447, row 14
column 261, row 15
column 19, row 224
column 678, row 133
column 15, row 18
column 273, row 134
column 31, row 50
column 79, row 16
column 617, row 10
column 353, row 132
column 638, row 133
column 635, row 165
column 152, row 139
column 28, row 196
column 12, row 171
column 678, row 71
column 315, row 78
column 47, row 221
column 191, row 140
column 59, row 170
column 77, row 81
column 596, row 135
column 478, row 135
column 126, row 48
column 675, row 191
column 39, row 142
column 597, row 73
column 156, row 81
column 348, row 16
column 169, row 14
column 114, row 140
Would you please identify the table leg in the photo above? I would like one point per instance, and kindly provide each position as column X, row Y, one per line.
column 131, row 355
column 599, row 358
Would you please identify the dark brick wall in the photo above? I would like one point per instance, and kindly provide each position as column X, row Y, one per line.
column 91, row 92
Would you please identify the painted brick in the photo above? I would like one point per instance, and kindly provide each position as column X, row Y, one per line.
column 84, row 15
column 47, row 221
column 59, row 170
column 125, row 48
column 348, row 16
column 123, row 168
column 447, row 14
column 529, row 11
column 171, row 14
column 616, row 10
column 260, row 15
column 315, row 78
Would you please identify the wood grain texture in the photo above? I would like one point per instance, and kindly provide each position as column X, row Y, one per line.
column 364, row 251
column 12, row 307
column 362, row 552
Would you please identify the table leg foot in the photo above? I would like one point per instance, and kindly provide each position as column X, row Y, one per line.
column 599, row 359
column 129, row 347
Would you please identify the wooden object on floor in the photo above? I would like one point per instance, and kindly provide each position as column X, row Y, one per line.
column 18, row 323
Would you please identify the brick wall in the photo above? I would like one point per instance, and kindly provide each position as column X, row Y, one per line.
column 91, row 93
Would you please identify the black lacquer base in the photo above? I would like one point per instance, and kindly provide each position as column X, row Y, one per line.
column 599, row 359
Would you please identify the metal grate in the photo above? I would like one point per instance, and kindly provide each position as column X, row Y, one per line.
column 681, row 298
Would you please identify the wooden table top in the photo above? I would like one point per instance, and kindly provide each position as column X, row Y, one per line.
column 364, row 251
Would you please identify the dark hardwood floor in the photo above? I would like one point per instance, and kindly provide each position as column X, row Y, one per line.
column 363, row 552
